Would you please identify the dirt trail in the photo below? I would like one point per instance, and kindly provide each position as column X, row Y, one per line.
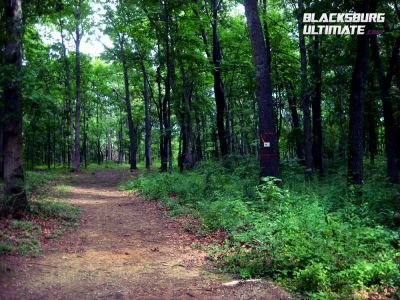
column 124, row 249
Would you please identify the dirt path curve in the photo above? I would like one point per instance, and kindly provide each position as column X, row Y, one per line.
column 124, row 249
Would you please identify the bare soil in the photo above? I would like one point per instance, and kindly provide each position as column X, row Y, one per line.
column 125, row 248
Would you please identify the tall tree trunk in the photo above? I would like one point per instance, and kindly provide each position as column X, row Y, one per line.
column 268, row 150
column 295, row 120
column 370, row 122
column 85, row 138
column 67, row 85
column 121, row 142
column 385, row 81
column 342, row 134
column 2, row 41
column 131, row 126
column 48, row 146
column 357, row 95
column 199, row 149
column 98, row 145
column 77, row 151
column 147, row 141
column 305, row 94
column 218, row 84
column 14, row 188
column 317, row 145
column 187, row 155
column 266, row 33
column 167, row 147
column 163, row 154
column 1, row 136
column 219, row 92
column 108, row 143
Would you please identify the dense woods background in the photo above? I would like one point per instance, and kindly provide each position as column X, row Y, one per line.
column 181, row 82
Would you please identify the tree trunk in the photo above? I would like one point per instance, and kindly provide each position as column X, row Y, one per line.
column 218, row 85
column 187, row 155
column 305, row 94
column 268, row 150
column 357, row 95
column 77, row 151
column 121, row 142
column 1, row 138
column 370, row 122
column 108, row 142
column 167, row 147
column 342, row 134
column 48, row 146
column 199, row 149
column 163, row 153
column 295, row 121
column 67, row 84
column 317, row 145
column 14, row 188
column 85, row 138
column 147, row 142
column 266, row 32
column 389, row 123
column 132, row 145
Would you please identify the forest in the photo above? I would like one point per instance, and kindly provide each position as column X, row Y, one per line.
column 237, row 117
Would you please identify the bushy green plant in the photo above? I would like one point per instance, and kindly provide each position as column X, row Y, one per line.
column 322, row 240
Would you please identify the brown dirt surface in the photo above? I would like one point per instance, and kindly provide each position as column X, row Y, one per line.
column 125, row 248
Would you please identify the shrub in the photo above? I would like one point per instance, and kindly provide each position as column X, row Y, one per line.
column 322, row 240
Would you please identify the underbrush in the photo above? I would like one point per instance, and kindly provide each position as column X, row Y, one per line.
column 47, row 218
column 318, row 238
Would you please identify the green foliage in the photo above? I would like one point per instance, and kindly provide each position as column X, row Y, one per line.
column 5, row 247
column 37, row 180
column 46, row 204
column 66, row 213
column 316, row 238
column 21, row 237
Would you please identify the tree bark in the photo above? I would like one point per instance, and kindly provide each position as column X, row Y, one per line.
column 187, row 155
column 1, row 136
column 370, row 122
column 219, row 92
column 295, row 120
column 77, row 150
column 268, row 150
column 14, row 186
column 67, row 85
column 317, row 144
column 169, row 84
column 342, row 134
column 305, row 94
column 108, row 143
column 131, row 126
column 147, row 115
column 385, row 81
column 218, row 85
column 357, row 95
column 266, row 33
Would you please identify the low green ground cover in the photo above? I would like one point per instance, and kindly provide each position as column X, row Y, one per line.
column 48, row 216
column 319, row 238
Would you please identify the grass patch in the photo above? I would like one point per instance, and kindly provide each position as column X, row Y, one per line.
column 318, row 237
column 48, row 218
column 18, row 236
